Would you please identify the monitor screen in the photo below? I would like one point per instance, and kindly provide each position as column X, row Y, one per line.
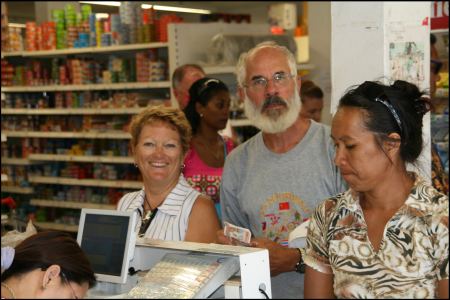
column 106, row 238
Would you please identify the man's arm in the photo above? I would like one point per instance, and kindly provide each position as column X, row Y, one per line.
column 281, row 259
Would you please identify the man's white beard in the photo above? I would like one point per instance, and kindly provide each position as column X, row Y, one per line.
column 273, row 123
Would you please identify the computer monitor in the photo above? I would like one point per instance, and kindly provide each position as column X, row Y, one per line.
column 108, row 239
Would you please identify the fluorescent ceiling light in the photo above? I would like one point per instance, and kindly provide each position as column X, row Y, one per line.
column 17, row 25
column 107, row 3
column 178, row 9
column 155, row 7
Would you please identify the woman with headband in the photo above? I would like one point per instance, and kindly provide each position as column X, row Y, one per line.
column 387, row 236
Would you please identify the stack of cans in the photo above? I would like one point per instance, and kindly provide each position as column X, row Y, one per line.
column 106, row 39
column 54, row 71
column 15, row 42
column 58, row 18
column 157, row 70
column 142, row 67
column 82, row 41
column 48, row 36
column 98, row 32
column 71, row 25
column 87, row 72
column 115, row 29
column 76, row 71
column 148, row 21
column 7, row 74
column 92, row 31
column 30, row 36
column 130, row 13
column 86, row 11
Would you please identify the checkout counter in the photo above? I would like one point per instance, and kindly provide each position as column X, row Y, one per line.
column 131, row 267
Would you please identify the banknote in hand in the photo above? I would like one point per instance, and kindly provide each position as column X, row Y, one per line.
column 239, row 234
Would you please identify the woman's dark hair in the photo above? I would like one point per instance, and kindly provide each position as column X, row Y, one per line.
column 47, row 248
column 310, row 89
column 202, row 91
column 392, row 108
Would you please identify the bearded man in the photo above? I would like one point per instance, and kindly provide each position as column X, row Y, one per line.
column 273, row 181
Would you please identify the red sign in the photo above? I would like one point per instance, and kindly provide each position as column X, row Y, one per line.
column 439, row 15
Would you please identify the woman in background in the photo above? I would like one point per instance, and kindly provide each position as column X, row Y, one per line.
column 48, row 264
column 207, row 112
column 387, row 236
column 169, row 207
column 312, row 101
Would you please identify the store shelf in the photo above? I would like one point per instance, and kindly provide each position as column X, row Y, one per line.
column 70, row 204
column 56, row 226
column 17, row 190
column 240, row 122
column 15, row 161
column 81, row 158
column 71, row 111
column 88, row 87
column 86, row 50
column 86, row 135
column 124, row 184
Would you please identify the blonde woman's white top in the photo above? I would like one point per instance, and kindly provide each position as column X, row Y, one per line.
column 172, row 218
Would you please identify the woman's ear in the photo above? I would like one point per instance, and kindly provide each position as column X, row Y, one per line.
column 392, row 144
column 199, row 109
column 50, row 275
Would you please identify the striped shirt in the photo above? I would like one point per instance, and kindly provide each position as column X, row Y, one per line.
column 172, row 218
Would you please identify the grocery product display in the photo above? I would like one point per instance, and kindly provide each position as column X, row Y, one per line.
column 65, row 114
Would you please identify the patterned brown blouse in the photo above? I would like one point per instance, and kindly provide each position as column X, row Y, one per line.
column 413, row 254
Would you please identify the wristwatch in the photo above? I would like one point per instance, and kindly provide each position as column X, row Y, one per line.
column 300, row 266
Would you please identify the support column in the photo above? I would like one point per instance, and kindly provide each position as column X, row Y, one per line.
column 382, row 41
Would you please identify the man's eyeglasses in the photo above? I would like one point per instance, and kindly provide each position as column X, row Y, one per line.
column 435, row 66
column 66, row 281
column 260, row 83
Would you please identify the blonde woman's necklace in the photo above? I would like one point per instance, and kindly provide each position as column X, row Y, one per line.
column 10, row 290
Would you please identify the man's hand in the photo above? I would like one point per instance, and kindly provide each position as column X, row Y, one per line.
column 281, row 259
column 221, row 238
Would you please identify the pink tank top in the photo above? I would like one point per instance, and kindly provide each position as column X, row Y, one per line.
column 202, row 177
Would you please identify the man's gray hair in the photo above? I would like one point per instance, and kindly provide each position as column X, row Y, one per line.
column 241, row 68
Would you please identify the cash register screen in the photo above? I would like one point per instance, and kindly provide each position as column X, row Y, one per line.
column 104, row 235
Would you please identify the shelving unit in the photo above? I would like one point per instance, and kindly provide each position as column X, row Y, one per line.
column 18, row 190
column 86, row 50
column 81, row 158
column 69, row 204
column 48, row 159
column 56, row 226
column 86, row 182
column 67, row 135
column 70, row 111
column 88, row 87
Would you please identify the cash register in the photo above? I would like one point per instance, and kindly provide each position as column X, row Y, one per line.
column 129, row 267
